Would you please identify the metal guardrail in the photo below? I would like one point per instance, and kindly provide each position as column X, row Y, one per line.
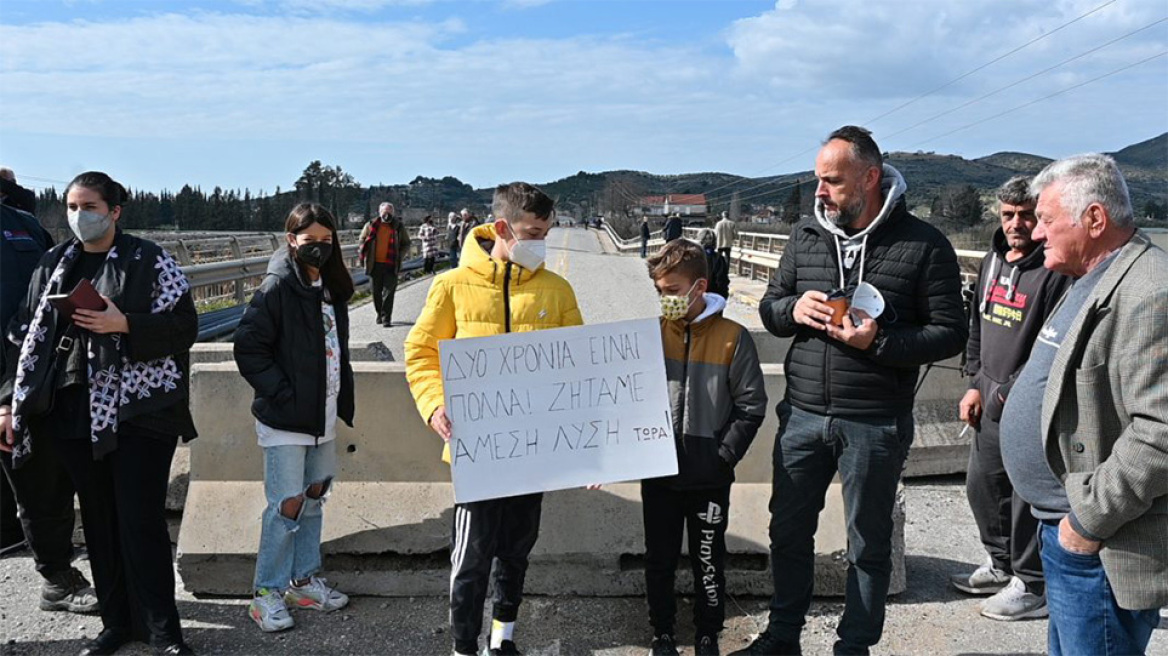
column 214, row 277
column 756, row 255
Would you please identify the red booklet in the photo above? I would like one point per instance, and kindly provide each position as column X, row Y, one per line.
column 83, row 297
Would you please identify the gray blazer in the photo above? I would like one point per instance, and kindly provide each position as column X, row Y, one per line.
column 1105, row 422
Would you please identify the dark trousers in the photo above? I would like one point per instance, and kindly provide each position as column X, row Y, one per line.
column 454, row 255
column 869, row 454
column 725, row 253
column 428, row 264
column 384, row 278
column 10, row 530
column 123, row 512
column 500, row 532
column 644, row 248
column 704, row 514
column 44, row 492
column 1008, row 529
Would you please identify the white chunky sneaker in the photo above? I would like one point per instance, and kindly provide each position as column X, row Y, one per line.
column 269, row 611
column 317, row 595
column 1014, row 602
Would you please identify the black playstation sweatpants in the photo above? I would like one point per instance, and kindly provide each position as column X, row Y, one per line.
column 704, row 514
column 500, row 532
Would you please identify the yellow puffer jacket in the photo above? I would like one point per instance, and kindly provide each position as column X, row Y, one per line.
column 483, row 296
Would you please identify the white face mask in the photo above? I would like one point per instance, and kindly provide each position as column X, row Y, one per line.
column 89, row 226
column 528, row 253
column 867, row 298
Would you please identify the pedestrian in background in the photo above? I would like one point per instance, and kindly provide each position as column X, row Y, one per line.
column 727, row 231
column 428, row 233
column 384, row 244
column 453, row 223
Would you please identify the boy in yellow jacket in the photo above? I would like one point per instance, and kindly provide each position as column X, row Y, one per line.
column 500, row 286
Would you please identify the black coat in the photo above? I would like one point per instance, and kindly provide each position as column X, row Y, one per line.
column 719, row 273
column 280, row 350
column 915, row 267
column 22, row 245
column 672, row 229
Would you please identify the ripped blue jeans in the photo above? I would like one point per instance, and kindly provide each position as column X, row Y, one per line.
column 296, row 482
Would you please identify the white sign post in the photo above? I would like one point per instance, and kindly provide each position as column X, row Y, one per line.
column 556, row 409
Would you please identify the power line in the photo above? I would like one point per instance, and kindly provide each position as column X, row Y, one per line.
column 1025, row 79
column 991, row 62
column 929, row 93
column 1038, row 100
column 988, row 118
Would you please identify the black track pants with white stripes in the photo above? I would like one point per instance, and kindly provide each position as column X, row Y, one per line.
column 485, row 531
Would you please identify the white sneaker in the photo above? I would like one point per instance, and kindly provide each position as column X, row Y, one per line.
column 984, row 580
column 1014, row 602
column 317, row 595
column 269, row 611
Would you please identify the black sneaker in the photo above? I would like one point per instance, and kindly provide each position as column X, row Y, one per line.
column 664, row 645
column 767, row 644
column 506, row 648
column 706, row 645
column 69, row 591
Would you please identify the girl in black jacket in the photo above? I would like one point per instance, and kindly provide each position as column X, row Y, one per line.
column 292, row 346
column 104, row 391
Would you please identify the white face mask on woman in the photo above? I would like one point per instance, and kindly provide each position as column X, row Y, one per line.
column 89, row 226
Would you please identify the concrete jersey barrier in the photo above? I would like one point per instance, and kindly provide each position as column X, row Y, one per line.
column 388, row 519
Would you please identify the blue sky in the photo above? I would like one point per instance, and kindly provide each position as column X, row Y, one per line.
column 244, row 93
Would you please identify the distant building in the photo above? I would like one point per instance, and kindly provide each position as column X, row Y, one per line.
column 682, row 204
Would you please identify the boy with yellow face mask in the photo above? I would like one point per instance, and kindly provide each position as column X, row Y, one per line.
column 718, row 402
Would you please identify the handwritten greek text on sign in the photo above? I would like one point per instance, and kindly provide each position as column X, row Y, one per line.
column 556, row 409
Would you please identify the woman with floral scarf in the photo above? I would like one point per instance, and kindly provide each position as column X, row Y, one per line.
column 106, row 390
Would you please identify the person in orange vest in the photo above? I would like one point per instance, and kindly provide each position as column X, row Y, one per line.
column 384, row 245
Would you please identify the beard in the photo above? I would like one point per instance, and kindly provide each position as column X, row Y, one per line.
column 843, row 215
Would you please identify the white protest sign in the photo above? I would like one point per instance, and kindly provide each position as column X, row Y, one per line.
column 556, row 409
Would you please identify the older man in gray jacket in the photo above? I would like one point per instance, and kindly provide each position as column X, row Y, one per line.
column 1093, row 462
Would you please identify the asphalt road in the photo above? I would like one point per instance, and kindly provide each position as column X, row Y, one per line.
column 929, row 619
column 608, row 288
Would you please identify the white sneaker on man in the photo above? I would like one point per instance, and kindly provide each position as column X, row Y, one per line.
column 1015, row 602
column 985, row 580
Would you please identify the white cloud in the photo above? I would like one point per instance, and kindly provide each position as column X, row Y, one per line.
column 858, row 49
column 423, row 97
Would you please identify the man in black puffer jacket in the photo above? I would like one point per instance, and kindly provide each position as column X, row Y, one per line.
column 850, row 384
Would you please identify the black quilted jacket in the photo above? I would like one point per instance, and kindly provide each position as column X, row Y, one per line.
column 915, row 268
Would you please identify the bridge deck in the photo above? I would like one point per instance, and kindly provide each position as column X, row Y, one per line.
column 608, row 287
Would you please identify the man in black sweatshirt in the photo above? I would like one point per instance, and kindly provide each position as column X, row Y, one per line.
column 1014, row 296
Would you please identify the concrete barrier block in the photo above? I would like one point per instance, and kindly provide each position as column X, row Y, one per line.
column 359, row 351
column 388, row 519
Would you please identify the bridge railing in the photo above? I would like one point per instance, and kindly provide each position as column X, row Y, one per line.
column 755, row 255
column 226, row 270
